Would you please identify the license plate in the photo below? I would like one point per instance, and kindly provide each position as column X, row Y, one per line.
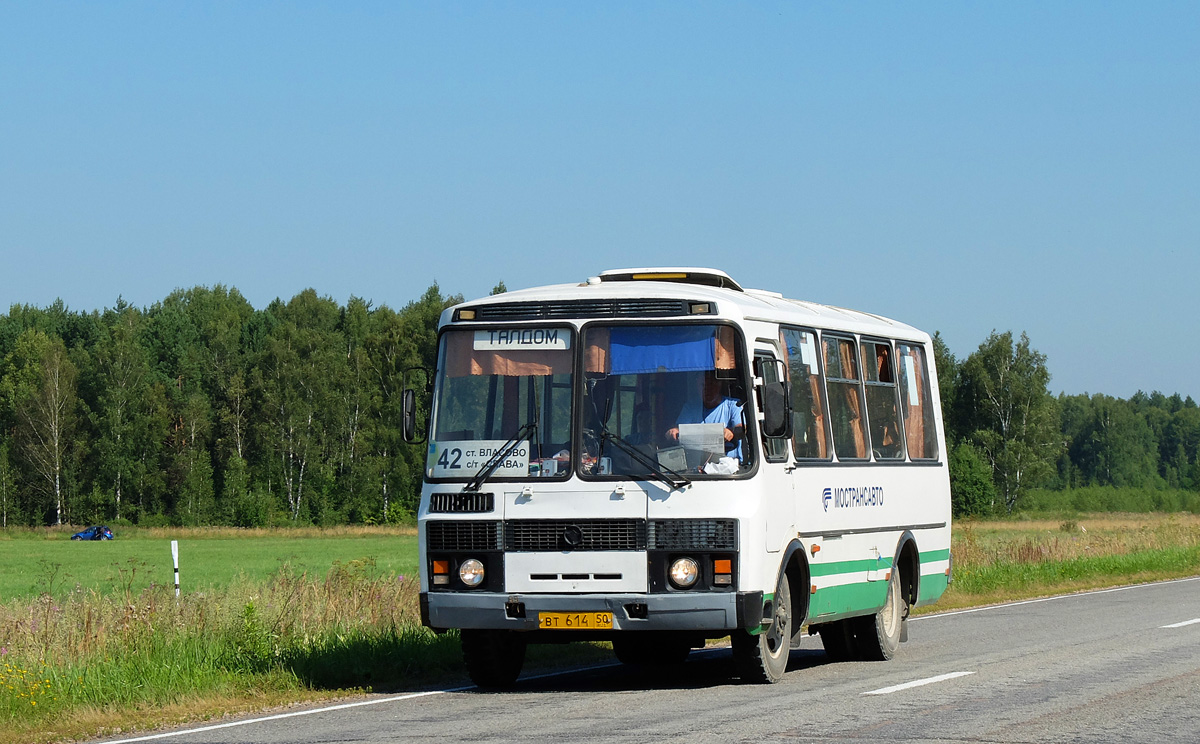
column 575, row 620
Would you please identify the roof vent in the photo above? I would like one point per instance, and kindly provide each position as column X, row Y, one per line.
column 683, row 275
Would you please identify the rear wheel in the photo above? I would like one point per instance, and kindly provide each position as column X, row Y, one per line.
column 878, row 636
column 493, row 657
column 838, row 640
column 763, row 658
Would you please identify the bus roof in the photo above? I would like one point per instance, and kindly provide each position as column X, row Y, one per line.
column 698, row 285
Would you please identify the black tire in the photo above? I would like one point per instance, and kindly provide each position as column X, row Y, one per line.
column 493, row 657
column 878, row 636
column 763, row 658
column 650, row 649
column 838, row 640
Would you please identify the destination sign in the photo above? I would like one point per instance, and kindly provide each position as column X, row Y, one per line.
column 523, row 339
column 458, row 459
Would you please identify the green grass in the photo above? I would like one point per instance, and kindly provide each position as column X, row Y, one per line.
column 1003, row 560
column 33, row 562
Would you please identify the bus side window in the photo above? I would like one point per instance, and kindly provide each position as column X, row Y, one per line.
column 810, row 438
column 919, row 427
column 882, row 415
column 842, row 380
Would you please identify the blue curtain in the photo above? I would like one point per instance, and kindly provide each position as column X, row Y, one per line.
column 638, row 350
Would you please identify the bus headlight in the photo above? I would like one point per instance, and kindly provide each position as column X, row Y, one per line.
column 470, row 572
column 684, row 572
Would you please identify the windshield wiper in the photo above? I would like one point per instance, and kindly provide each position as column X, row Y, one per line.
column 497, row 458
column 660, row 472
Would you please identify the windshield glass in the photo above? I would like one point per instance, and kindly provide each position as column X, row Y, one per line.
column 493, row 385
column 674, row 393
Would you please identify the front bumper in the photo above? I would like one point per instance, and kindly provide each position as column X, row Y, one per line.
column 721, row 611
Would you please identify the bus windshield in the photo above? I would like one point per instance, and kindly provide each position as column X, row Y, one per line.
column 672, row 398
column 493, row 385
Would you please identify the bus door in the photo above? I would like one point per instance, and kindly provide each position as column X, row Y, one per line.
column 776, row 473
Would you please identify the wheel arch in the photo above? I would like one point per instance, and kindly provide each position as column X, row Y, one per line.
column 907, row 560
column 795, row 565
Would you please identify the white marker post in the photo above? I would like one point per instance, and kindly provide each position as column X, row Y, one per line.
column 175, row 560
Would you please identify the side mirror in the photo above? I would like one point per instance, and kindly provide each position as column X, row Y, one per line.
column 777, row 410
column 409, row 409
column 408, row 420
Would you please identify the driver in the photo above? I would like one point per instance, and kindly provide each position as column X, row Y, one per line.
column 713, row 407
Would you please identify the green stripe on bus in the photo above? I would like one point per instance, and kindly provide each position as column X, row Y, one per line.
column 848, row 599
column 834, row 568
column 843, row 567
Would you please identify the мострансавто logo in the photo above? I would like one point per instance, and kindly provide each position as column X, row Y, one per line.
column 849, row 498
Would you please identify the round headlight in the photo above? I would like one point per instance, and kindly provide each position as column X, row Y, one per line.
column 684, row 572
column 470, row 572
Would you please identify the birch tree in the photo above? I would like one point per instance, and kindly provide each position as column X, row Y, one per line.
column 1004, row 399
column 123, row 371
column 45, row 408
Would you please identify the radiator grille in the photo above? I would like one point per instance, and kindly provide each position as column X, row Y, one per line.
column 634, row 308
column 457, row 536
column 692, row 534
column 552, row 535
column 461, row 503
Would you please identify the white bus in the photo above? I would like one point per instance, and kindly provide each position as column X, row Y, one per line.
column 657, row 457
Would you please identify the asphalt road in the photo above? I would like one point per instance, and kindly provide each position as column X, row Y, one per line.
column 1121, row 665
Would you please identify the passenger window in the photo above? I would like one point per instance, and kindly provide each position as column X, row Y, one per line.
column 845, row 399
column 810, row 438
column 882, row 415
column 919, row 427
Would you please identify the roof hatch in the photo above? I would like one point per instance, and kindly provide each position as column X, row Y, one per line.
column 683, row 275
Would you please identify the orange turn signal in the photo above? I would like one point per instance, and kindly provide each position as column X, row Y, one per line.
column 441, row 567
column 723, row 566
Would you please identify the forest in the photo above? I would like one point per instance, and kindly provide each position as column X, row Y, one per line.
column 201, row 410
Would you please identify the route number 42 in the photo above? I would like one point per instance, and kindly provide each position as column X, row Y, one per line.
column 450, row 458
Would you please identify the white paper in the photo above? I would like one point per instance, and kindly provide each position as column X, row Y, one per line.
column 703, row 437
column 910, row 376
column 808, row 353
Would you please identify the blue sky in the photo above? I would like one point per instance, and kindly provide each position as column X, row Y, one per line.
column 963, row 167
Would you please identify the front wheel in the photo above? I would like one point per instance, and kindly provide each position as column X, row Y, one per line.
column 493, row 657
column 763, row 658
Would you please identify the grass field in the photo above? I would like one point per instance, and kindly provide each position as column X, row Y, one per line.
column 1001, row 560
column 93, row 641
column 33, row 562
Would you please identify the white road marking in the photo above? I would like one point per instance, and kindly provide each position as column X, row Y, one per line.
column 280, row 716
column 917, row 683
column 1180, row 625
column 344, row 706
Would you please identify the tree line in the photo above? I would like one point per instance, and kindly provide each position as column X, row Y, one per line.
column 202, row 410
column 1007, row 434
